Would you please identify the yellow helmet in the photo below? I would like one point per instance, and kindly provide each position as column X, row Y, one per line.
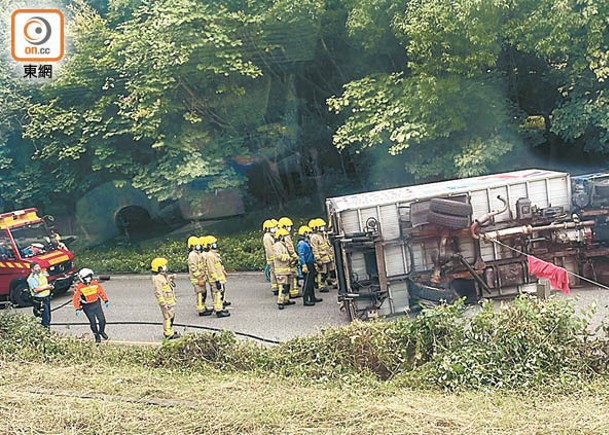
column 267, row 224
column 158, row 263
column 208, row 241
column 317, row 223
column 285, row 222
column 193, row 241
column 202, row 240
column 304, row 230
column 281, row 232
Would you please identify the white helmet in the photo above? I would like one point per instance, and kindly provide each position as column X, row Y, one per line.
column 85, row 275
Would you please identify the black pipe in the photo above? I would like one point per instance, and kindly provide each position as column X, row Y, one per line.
column 473, row 273
column 184, row 325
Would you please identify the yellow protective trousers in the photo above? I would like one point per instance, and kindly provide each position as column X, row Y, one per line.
column 168, row 318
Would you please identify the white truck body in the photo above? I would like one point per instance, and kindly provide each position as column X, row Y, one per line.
column 405, row 243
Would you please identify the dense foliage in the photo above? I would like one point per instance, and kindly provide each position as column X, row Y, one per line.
column 527, row 344
column 165, row 93
column 241, row 251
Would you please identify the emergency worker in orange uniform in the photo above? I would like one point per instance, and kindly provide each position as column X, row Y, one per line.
column 88, row 294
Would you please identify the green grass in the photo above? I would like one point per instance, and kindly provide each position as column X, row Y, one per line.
column 126, row 399
column 528, row 344
column 528, row 368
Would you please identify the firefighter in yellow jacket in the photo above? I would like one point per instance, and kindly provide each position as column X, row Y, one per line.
column 286, row 224
column 320, row 253
column 197, row 275
column 283, row 269
column 163, row 285
column 268, row 240
column 214, row 249
column 327, row 246
column 216, row 275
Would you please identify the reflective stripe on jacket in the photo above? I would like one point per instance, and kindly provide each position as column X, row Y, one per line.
column 281, row 262
column 196, row 267
column 215, row 268
column 87, row 294
column 163, row 290
column 268, row 241
column 38, row 281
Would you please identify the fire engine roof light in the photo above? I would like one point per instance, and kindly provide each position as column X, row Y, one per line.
column 18, row 213
column 17, row 217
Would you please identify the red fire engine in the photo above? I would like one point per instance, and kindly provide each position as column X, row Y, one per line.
column 25, row 238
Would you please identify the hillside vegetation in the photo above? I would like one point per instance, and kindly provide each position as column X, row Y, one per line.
column 532, row 367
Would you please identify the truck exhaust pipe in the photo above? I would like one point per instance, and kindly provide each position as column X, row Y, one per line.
column 475, row 228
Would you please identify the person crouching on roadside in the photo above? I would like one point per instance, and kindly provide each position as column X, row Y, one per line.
column 87, row 295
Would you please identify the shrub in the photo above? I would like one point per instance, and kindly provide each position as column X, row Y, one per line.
column 530, row 343
column 241, row 251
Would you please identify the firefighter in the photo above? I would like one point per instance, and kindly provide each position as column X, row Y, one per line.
column 197, row 275
column 327, row 246
column 286, row 224
column 88, row 294
column 163, row 285
column 283, row 270
column 322, row 259
column 215, row 274
column 268, row 240
column 307, row 263
column 216, row 252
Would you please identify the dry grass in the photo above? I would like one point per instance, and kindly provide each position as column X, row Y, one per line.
column 36, row 399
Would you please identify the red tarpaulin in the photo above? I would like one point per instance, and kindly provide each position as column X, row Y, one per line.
column 558, row 277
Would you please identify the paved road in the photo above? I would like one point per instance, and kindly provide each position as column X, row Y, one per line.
column 253, row 310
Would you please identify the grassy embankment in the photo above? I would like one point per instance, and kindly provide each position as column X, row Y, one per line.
column 528, row 368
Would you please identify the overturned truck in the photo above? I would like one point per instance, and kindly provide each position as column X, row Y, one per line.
column 466, row 238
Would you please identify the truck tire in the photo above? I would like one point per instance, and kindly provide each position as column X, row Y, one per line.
column 435, row 294
column 450, row 207
column 20, row 295
column 449, row 221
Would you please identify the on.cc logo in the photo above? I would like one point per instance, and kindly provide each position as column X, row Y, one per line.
column 37, row 35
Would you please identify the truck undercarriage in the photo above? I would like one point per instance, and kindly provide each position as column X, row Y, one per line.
column 467, row 238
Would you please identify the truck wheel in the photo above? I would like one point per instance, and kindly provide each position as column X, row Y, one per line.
column 450, row 207
column 449, row 221
column 436, row 294
column 20, row 295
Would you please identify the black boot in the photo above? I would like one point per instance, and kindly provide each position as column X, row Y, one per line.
column 207, row 312
column 104, row 335
column 317, row 299
column 222, row 313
